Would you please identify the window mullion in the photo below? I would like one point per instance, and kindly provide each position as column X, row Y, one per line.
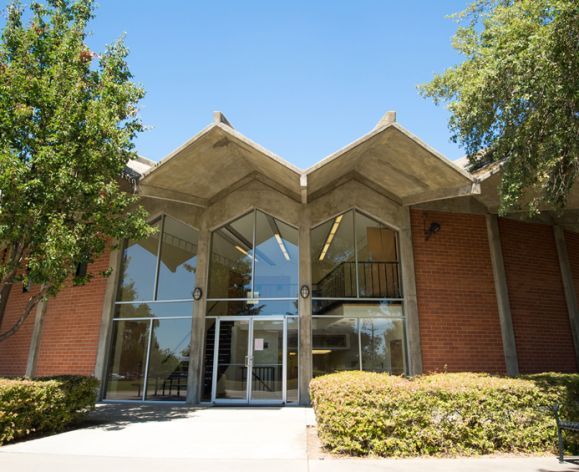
column 157, row 269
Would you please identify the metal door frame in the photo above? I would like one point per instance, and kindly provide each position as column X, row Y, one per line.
column 249, row 361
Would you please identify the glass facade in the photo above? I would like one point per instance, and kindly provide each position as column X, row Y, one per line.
column 251, row 343
column 358, row 319
column 251, row 338
column 149, row 356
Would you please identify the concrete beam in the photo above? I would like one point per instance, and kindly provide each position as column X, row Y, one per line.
column 149, row 191
column 410, row 298
column 35, row 339
column 502, row 293
column 305, row 310
column 568, row 287
column 106, row 318
column 197, row 346
column 442, row 194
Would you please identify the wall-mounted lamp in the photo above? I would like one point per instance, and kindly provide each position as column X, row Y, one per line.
column 197, row 293
column 432, row 229
column 305, row 291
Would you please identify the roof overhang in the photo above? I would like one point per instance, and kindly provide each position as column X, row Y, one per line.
column 214, row 162
column 395, row 161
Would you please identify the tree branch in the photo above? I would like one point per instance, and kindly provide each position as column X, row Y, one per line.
column 32, row 302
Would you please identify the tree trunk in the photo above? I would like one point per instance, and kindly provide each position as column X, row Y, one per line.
column 4, row 295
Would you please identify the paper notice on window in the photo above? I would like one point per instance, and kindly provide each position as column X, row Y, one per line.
column 258, row 344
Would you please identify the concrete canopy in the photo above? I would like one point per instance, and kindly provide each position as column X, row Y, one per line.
column 395, row 161
column 389, row 159
column 215, row 162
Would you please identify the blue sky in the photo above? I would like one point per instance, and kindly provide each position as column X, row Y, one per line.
column 302, row 78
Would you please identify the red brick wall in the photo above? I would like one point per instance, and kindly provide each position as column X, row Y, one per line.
column 538, row 308
column 71, row 328
column 572, row 240
column 458, row 314
column 14, row 350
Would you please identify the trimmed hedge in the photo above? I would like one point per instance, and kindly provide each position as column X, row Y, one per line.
column 43, row 405
column 361, row 413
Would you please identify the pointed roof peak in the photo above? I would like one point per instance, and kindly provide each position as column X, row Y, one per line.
column 388, row 118
column 219, row 117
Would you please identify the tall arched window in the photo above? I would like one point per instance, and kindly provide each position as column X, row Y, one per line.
column 151, row 333
column 357, row 297
column 251, row 329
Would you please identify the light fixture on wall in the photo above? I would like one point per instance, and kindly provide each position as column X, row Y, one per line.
column 305, row 291
column 197, row 293
column 432, row 229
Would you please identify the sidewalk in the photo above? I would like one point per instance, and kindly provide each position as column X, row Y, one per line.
column 146, row 438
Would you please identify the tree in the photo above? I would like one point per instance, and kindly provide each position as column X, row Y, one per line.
column 68, row 118
column 515, row 98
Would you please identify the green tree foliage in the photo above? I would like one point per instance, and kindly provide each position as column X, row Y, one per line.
column 68, row 118
column 515, row 98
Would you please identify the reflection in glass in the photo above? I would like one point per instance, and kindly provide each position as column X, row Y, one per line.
column 333, row 258
column 334, row 345
column 382, row 343
column 357, row 308
column 232, row 360
column 230, row 264
column 267, row 360
column 178, row 261
column 377, row 259
column 154, row 310
column 127, row 361
column 208, row 359
column 292, row 360
column 138, row 267
column 276, row 258
column 243, row 308
column 169, row 360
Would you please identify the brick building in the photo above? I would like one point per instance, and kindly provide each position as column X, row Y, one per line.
column 384, row 256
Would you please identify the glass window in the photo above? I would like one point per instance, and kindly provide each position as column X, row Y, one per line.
column 231, row 262
column 382, row 345
column 357, row 308
column 178, row 261
column 333, row 258
column 154, row 310
column 169, row 360
column 334, row 345
column 176, row 264
column 377, row 257
column 127, row 361
column 292, row 361
column 244, row 308
column 276, row 258
column 208, row 359
column 354, row 256
column 138, row 268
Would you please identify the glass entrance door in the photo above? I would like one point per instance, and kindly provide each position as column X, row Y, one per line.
column 250, row 361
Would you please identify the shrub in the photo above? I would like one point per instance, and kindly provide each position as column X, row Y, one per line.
column 43, row 405
column 362, row 413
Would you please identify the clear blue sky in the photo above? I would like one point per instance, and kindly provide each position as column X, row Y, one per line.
column 302, row 78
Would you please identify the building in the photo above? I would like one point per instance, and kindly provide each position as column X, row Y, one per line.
column 384, row 256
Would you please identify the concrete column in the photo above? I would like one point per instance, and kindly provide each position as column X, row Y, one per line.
column 568, row 286
column 502, row 293
column 409, row 291
column 305, row 309
column 106, row 317
column 194, row 377
column 35, row 339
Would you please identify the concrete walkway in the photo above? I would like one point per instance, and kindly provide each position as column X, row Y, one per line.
column 153, row 438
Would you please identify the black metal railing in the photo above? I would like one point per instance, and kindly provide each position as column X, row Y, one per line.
column 376, row 279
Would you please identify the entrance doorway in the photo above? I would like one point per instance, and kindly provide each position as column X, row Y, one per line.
column 250, row 361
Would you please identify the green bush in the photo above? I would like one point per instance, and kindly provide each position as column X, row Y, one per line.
column 43, row 405
column 361, row 413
